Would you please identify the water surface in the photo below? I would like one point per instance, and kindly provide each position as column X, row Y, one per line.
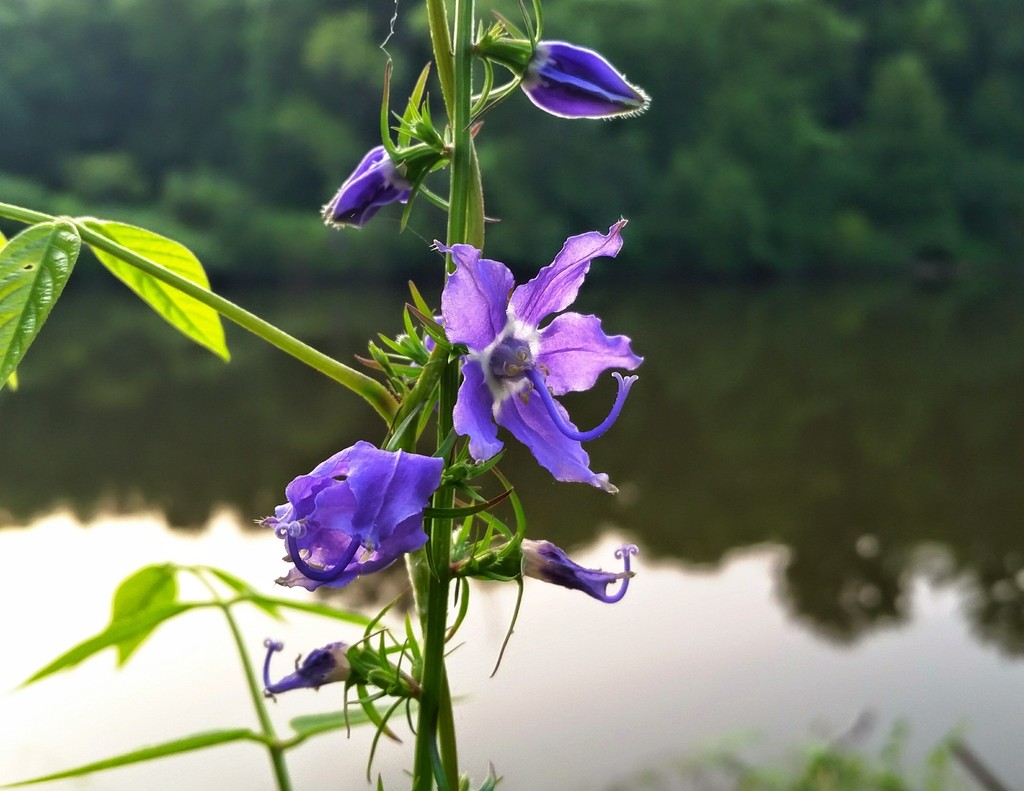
column 825, row 483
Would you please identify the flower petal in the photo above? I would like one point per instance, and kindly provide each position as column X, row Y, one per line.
column 475, row 297
column 407, row 537
column 389, row 488
column 555, row 287
column 474, row 413
column 575, row 351
column 303, row 489
column 564, row 458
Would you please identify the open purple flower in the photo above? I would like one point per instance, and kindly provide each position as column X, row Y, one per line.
column 514, row 367
column 354, row 514
column 574, row 82
column 373, row 184
column 544, row 561
column 320, row 667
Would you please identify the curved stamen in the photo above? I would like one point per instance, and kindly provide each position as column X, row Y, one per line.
column 539, row 385
column 623, row 553
column 272, row 647
column 321, row 575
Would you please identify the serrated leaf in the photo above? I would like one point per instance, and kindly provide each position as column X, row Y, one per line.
column 192, row 318
column 149, row 588
column 34, row 266
column 187, row 744
column 115, row 634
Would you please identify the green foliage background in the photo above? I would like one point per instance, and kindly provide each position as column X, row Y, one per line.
column 804, row 137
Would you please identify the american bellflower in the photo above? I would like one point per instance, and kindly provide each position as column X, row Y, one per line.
column 320, row 667
column 544, row 561
column 373, row 184
column 354, row 514
column 514, row 366
column 575, row 82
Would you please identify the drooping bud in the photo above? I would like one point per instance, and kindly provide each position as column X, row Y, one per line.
column 374, row 183
column 322, row 666
column 545, row 561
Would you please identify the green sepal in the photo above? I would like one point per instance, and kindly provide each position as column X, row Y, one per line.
column 512, row 53
column 187, row 744
column 192, row 318
column 34, row 267
column 469, row 510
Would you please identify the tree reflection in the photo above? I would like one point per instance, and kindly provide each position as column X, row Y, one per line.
column 852, row 426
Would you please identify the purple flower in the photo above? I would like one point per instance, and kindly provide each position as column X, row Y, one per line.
column 513, row 367
column 320, row 667
column 573, row 82
column 374, row 183
column 354, row 514
column 544, row 561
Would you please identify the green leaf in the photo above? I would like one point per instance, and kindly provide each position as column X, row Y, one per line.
column 312, row 724
column 12, row 380
column 189, row 743
column 149, row 588
column 34, row 266
column 308, row 607
column 195, row 320
column 246, row 591
column 115, row 634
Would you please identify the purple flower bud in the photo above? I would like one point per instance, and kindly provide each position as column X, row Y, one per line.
column 574, row 82
column 355, row 513
column 320, row 667
column 544, row 561
column 374, row 183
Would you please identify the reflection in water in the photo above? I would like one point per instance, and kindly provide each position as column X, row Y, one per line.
column 850, row 425
column 587, row 695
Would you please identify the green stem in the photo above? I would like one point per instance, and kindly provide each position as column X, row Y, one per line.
column 436, row 721
column 274, row 746
column 440, row 38
column 436, row 726
column 370, row 389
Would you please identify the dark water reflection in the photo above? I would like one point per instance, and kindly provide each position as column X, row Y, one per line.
column 853, row 425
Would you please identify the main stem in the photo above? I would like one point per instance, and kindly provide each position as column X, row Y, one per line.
column 435, row 736
column 276, row 749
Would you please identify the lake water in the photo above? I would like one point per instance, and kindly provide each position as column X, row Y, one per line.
column 825, row 485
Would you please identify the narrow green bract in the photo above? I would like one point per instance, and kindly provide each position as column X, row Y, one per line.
column 34, row 266
column 186, row 314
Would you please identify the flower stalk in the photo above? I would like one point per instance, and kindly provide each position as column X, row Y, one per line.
column 430, row 569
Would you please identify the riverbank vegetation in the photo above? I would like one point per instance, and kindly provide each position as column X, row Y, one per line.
column 786, row 137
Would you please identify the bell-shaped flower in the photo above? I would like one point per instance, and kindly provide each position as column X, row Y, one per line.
column 320, row 667
column 544, row 561
column 355, row 513
column 376, row 182
column 515, row 367
column 575, row 82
